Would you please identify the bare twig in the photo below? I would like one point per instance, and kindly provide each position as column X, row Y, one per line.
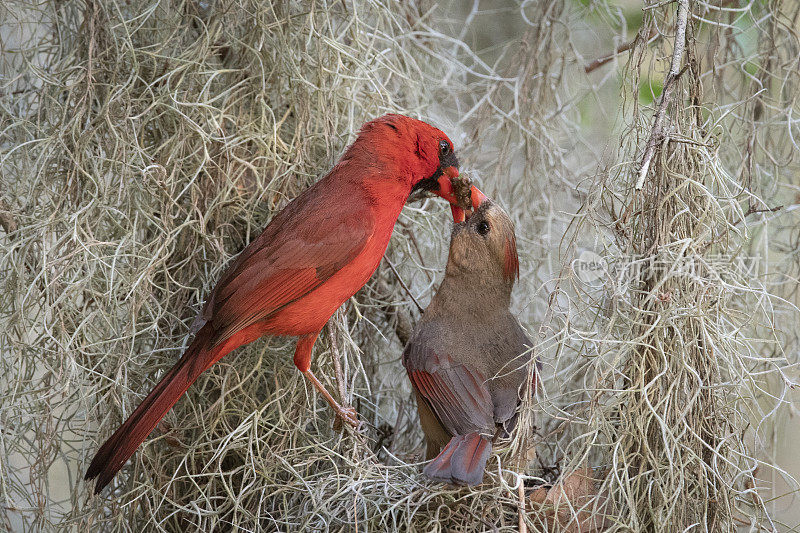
column 413, row 238
column 597, row 63
column 523, row 527
column 403, row 284
column 666, row 93
column 753, row 210
column 333, row 333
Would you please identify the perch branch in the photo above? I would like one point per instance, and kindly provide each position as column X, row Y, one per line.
column 333, row 332
column 666, row 93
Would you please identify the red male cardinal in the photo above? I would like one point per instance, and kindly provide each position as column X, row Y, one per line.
column 467, row 357
column 313, row 256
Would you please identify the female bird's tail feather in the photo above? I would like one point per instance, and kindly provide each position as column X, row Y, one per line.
column 116, row 451
column 462, row 461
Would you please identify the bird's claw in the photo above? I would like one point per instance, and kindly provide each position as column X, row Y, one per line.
column 346, row 414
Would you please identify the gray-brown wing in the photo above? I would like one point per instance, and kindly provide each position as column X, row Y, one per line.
column 508, row 382
column 457, row 394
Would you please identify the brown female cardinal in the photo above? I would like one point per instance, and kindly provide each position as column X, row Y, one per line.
column 314, row 255
column 467, row 357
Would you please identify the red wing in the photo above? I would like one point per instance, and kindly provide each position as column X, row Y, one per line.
column 457, row 394
column 298, row 251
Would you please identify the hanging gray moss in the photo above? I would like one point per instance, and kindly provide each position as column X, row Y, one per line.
column 143, row 144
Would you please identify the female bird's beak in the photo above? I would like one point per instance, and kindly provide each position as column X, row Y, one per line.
column 446, row 191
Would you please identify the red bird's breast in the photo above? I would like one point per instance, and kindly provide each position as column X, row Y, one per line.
column 365, row 239
column 311, row 313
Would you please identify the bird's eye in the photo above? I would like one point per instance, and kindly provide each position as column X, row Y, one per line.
column 444, row 148
column 483, row 227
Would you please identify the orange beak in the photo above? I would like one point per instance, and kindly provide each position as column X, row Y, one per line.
column 446, row 191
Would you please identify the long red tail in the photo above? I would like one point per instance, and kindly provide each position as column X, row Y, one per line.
column 116, row 451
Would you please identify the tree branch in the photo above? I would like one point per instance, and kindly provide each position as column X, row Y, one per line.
column 597, row 63
column 666, row 94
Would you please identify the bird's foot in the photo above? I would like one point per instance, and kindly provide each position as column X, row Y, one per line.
column 348, row 415
column 343, row 413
